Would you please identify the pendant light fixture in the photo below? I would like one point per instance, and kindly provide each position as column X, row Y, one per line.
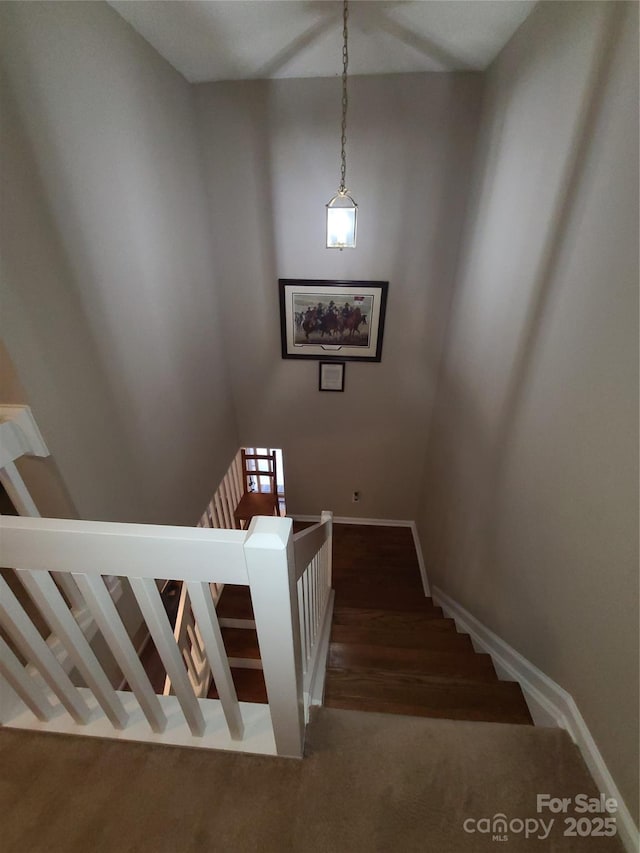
column 342, row 210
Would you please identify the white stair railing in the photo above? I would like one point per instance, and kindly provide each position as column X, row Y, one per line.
column 20, row 436
column 220, row 509
column 289, row 598
column 313, row 554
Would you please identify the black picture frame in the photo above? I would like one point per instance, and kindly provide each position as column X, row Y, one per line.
column 327, row 382
column 335, row 332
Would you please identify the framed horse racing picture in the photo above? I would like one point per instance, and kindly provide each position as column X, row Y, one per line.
column 332, row 320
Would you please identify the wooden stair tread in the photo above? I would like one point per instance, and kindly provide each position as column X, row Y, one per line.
column 421, row 695
column 462, row 663
column 241, row 643
column 235, row 602
column 393, row 619
column 386, row 684
column 426, row 607
column 356, row 594
column 249, row 683
column 433, row 636
column 451, row 712
column 392, row 650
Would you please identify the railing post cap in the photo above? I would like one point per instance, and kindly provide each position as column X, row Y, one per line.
column 269, row 533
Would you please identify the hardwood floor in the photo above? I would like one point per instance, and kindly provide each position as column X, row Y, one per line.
column 392, row 650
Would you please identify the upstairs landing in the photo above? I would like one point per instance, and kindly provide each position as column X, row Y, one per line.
column 369, row 782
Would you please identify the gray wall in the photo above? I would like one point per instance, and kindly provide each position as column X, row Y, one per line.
column 272, row 160
column 529, row 513
column 109, row 305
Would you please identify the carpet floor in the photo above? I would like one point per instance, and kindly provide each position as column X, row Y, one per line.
column 369, row 783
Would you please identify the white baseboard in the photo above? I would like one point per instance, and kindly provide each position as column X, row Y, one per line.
column 550, row 705
column 382, row 522
column 371, row 522
column 421, row 563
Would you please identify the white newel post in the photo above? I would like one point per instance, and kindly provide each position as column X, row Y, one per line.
column 270, row 566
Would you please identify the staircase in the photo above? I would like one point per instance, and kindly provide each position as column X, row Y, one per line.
column 393, row 651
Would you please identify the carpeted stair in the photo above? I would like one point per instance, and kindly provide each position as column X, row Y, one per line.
column 369, row 783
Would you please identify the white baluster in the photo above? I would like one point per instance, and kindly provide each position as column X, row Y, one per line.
column 15, row 487
column 234, row 483
column 303, row 639
column 20, row 497
column 194, row 643
column 327, row 518
column 108, row 620
column 316, row 596
column 27, row 638
column 46, row 595
column 150, row 603
column 309, row 611
column 23, row 684
column 69, row 588
column 227, row 506
column 207, row 620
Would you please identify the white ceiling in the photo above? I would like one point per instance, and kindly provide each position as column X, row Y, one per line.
column 241, row 39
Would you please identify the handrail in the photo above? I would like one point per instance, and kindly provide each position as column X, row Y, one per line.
column 291, row 602
column 88, row 551
column 302, row 533
column 20, row 436
column 220, row 509
column 142, row 550
column 307, row 543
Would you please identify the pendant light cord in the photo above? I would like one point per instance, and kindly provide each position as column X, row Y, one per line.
column 345, row 100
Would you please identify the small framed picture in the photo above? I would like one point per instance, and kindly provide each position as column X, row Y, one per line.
column 331, row 376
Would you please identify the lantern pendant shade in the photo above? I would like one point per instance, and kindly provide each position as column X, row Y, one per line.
column 342, row 214
column 342, row 211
